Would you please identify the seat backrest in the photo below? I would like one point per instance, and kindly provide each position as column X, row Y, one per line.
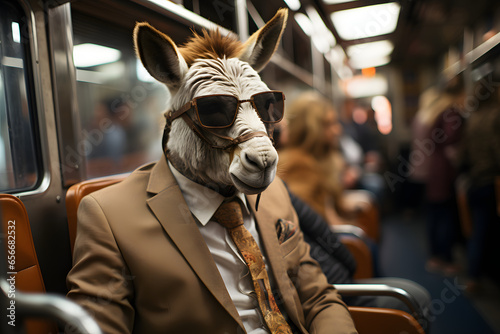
column 361, row 254
column 22, row 262
column 76, row 193
column 367, row 217
column 374, row 320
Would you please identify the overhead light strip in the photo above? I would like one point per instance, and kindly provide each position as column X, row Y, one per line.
column 368, row 21
column 334, row 2
column 89, row 54
column 293, row 4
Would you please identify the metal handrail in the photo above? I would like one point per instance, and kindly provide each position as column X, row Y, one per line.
column 382, row 290
column 349, row 229
column 55, row 307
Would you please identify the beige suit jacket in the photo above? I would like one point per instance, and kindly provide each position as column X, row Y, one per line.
column 142, row 266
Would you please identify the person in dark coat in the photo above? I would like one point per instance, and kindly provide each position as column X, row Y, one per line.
column 481, row 166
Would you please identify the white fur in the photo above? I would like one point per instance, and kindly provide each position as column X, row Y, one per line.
column 253, row 166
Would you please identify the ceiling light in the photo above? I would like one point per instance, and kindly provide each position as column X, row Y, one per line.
column 373, row 49
column 16, row 32
column 322, row 37
column 88, row 54
column 371, row 54
column 321, row 44
column 369, row 21
column 345, row 73
column 304, row 23
column 105, row 74
column 362, row 87
column 333, row 2
column 293, row 4
column 369, row 62
column 337, row 56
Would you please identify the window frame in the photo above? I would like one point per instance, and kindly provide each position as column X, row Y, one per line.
column 35, row 103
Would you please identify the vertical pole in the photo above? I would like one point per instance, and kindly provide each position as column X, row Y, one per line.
column 242, row 19
column 468, row 46
column 318, row 69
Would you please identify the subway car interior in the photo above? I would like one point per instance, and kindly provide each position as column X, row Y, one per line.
column 414, row 141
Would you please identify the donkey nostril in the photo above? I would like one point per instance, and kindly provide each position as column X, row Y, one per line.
column 251, row 160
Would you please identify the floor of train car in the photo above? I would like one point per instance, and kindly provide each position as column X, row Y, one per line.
column 403, row 253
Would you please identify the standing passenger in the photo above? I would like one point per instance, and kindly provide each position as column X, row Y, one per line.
column 481, row 153
column 442, row 216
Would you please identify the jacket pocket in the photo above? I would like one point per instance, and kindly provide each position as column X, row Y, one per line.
column 290, row 244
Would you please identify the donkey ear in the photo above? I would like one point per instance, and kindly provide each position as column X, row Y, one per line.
column 159, row 55
column 260, row 47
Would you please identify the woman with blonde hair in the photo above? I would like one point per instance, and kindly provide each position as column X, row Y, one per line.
column 311, row 163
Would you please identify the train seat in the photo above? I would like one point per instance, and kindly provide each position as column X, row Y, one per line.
column 75, row 194
column 364, row 203
column 361, row 253
column 373, row 320
column 21, row 256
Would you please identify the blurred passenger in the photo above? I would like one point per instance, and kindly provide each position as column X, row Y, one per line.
column 481, row 159
column 359, row 123
column 311, row 163
column 360, row 149
column 106, row 132
column 430, row 106
column 440, row 146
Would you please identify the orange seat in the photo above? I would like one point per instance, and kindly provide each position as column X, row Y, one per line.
column 361, row 253
column 367, row 217
column 75, row 194
column 368, row 220
column 374, row 320
column 22, row 262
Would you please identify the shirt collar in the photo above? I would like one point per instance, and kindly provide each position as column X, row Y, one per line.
column 202, row 201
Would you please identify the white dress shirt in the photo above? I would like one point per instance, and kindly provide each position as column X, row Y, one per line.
column 203, row 202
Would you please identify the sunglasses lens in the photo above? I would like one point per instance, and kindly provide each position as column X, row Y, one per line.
column 270, row 106
column 217, row 111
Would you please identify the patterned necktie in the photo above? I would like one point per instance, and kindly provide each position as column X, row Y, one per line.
column 230, row 216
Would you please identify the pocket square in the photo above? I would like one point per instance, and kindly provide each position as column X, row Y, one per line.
column 285, row 229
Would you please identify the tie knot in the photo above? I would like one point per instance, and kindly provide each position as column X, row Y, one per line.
column 229, row 214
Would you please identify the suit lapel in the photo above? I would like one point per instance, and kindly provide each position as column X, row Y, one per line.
column 172, row 212
column 266, row 218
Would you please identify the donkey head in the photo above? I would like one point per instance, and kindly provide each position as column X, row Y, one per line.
column 219, row 116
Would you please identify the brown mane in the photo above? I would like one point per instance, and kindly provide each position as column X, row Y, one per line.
column 210, row 45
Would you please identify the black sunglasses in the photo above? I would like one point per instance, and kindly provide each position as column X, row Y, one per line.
column 219, row 111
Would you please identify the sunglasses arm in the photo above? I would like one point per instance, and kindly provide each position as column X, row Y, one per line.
column 176, row 113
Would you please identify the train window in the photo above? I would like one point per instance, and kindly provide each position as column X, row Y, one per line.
column 18, row 154
column 120, row 106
